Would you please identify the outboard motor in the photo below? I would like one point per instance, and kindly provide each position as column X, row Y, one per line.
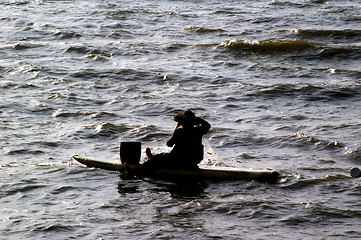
column 130, row 152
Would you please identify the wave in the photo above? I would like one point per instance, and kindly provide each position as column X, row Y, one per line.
column 61, row 113
column 340, row 51
column 307, row 92
column 63, row 35
column 202, row 30
column 318, row 143
column 304, row 49
column 25, row 151
column 301, row 183
column 81, row 50
column 25, row 46
column 290, row 4
column 101, row 130
column 269, row 45
column 114, row 74
column 95, row 54
column 355, row 155
column 113, row 131
column 298, row 140
column 298, row 4
column 347, row 34
column 266, row 46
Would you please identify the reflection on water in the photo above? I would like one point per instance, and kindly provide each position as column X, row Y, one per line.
column 128, row 186
column 182, row 189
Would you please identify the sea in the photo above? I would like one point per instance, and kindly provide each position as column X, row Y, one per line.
column 278, row 80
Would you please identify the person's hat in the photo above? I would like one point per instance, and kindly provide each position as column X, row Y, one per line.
column 188, row 116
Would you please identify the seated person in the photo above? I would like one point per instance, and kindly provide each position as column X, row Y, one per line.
column 187, row 145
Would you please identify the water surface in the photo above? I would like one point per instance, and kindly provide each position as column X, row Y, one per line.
column 278, row 80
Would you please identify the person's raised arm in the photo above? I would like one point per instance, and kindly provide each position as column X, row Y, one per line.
column 172, row 140
column 205, row 126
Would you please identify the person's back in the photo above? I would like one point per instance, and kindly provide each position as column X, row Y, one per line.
column 187, row 144
column 187, row 140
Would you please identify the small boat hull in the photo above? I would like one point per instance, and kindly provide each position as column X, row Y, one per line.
column 210, row 173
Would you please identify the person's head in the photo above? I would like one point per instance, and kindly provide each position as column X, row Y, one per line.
column 186, row 119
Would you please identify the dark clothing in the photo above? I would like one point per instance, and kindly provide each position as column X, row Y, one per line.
column 188, row 148
column 187, row 142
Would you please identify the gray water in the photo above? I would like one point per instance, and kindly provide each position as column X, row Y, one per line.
column 278, row 80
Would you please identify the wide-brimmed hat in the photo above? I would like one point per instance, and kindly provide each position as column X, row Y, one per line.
column 186, row 117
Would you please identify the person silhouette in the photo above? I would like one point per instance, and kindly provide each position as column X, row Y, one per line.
column 188, row 150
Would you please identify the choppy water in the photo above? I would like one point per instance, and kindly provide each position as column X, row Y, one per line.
column 278, row 80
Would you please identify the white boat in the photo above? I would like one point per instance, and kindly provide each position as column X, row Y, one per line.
column 209, row 172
